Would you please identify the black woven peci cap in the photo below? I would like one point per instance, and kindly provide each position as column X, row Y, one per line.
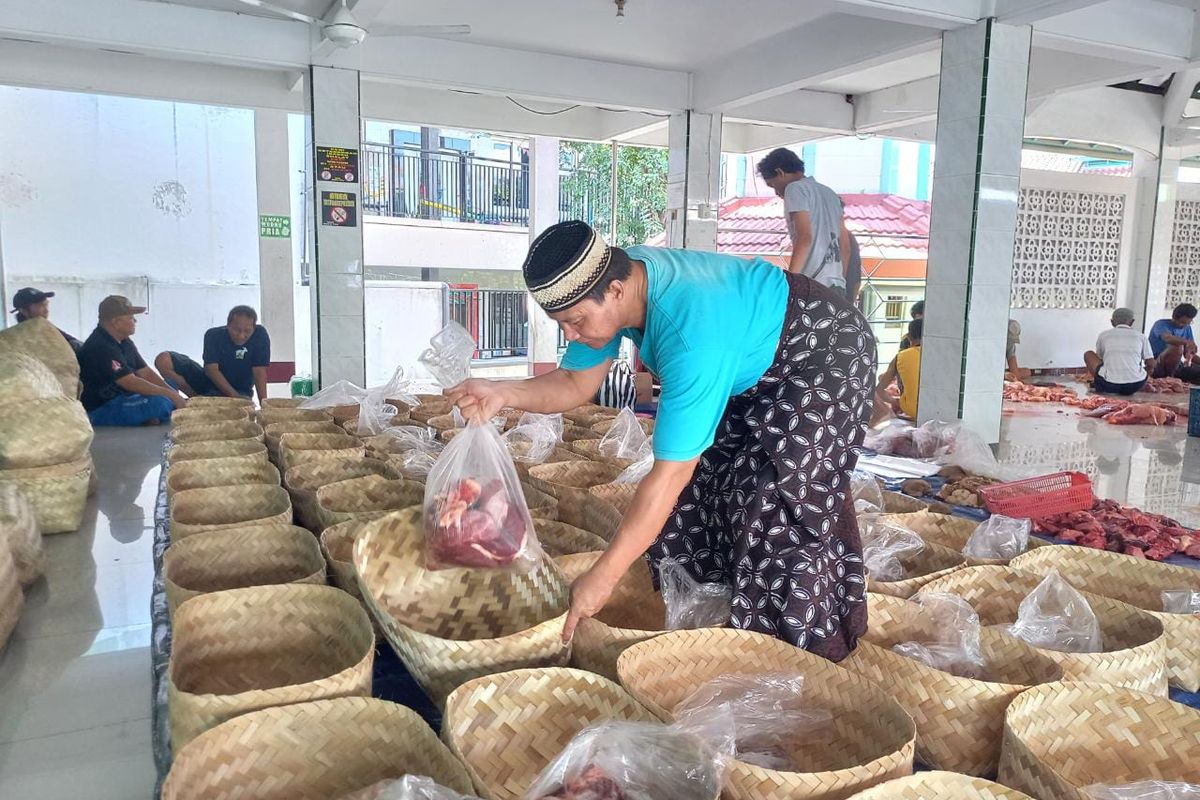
column 564, row 263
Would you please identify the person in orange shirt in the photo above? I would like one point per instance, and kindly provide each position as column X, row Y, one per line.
column 905, row 370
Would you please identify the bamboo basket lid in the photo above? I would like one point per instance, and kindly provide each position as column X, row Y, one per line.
column 283, row 402
column 197, row 510
column 931, row 563
column 940, row 786
column 270, row 415
column 203, row 414
column 229, row 448
column 43, row 433
column 216, row 431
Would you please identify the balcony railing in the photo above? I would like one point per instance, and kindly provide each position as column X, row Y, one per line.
column 497, row 319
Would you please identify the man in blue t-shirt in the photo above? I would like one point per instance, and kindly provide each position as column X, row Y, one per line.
column 236, row 356
column 1173, row 344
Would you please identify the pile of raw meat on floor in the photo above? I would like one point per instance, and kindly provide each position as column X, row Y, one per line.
column 1112, row 410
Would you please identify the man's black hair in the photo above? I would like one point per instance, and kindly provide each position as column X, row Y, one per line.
column 1186, row 310
column 779, row 159
column 242, row 311
column 619, row 268
column 917, row 308
column 915, row 328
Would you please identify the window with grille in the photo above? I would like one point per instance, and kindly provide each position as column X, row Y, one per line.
column 893, row 308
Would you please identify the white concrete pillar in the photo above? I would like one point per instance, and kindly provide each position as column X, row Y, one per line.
column 543, row 212
column 339, row 350
column 1165, row 196
column 693, row 180
column 981, row 124
column 273, row 179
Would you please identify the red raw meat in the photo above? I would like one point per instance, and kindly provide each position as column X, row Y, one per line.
column 1122, row 529
column 1165, row 386
column 476, row 526
column 1141, row 414
column 1019, row 392
column 591, row 784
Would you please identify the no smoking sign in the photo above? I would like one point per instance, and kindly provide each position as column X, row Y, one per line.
column 339, row 209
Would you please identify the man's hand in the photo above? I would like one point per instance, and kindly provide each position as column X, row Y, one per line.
column 479, row 399
column 177, row 400
column 589, row 594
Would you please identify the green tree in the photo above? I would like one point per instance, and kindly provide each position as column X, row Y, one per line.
column 641, row 188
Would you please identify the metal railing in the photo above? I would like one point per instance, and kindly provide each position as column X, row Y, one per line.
column 497, row 319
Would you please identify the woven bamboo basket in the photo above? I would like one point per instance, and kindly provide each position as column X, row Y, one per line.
column 560, row 539
column 203, row 415
column 20, row 533
column 589, row 414
column 249, row 449
column 541, row 505
column 1134, row 654
column 950, row 532
column 369, row 497
column 304, row 448
column 442, row 422
column 1061, row 737
column 931, row 563
column 58, row 494
column 350, row 426
column 303, row 481
column 283, row 402
column 568, row 483
column 276, row 431
column 319, row 750
column 23, row 379
column 452, row 625
column 870, row 739
column 39, row 339
column 43, row 433
column 507, row 728
column 245, row 649
column 337, row 545
column 206, row 473
column 602, row 518
column 272, row 416
column 1139, row 583
column 216, row 431
column 633, row 614
column 590, row 449
column 940, row 786
column 221, row 402
column 12, row 599
column 619, row 495
column 897, row 503
column 575, row 433
column 435, row 406
column 197, row 510
column 556, row 456
column 960, row 721
column 605, row 425
column 240, row 557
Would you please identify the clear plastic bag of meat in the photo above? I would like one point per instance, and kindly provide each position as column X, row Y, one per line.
column 999, row 537
column 894, row 438
column 449, row 357
column 626, row 438
column 1055, row 616
column 1145, row 790
column 867, row 493
column 885, row 544
column 636, row 471
column 341, row 393
column 952, row 644
column 534, row 437
column 690, row 603
column 768, row 712
column 410, row 787
column 1181, row 601
column 618, row 760
column 475, row 511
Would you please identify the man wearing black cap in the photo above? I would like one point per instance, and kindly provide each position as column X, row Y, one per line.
column 118, row 387
column 30, row 303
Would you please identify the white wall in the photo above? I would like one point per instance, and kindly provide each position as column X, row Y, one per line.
column 401, row 318
column 399, row 242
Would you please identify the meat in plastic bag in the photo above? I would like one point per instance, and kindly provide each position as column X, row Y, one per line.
column 636, row 471
column 626, row 438
column 534, row 437
column 1145, row 790
column 867, row 493
column 691, row 604
column 953, row 641
column 885, row 544
column 449, row 357
column 1055, row 616
column 618, row 760
column 410, row 787
column 999, row 537
column 1181, row 601
column 768, row 712
column 475, row 511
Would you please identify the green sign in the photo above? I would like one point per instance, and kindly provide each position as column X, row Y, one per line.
column 271, row 226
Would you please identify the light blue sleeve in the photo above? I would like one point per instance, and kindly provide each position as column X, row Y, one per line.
column 696, row 386
column 579, row 357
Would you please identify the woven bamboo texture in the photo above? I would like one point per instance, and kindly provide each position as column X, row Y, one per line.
column 216, row 431
column 434, row 406
column 589, row 414
column 221, row 402
column 1061, row 737
column 283, row 402
column 304, row 448
column 556, row 456
column 1134, row 652
column 633, row 614
column 619, row 495
column 240, row 557
column 206, row 414
column 452, row 625
column 318, row 750
column 960, row 721
column 272, row 416
column 206, row 473
column 197, row 510
column 1139, row 583
column 337, row 545
column 940, row 786
column 949, row 532
column 590, row 449
column 896, row 503
column 12, row 599
column 23, row 379
column 43, row 433
column 541, row 505
column 245, row 649
column 605, row 425
column 869, row 740
column 303, row 481
column 442, row 422
column 602, row 518
column 575, row 433
column 232, row 448
column 369, row 497
column 931, row 563
column 19, row 531
column 507, row 728
column 58, row 494
column 568, row 482
column 276, row 430
column 39, row 339
column 560, row 539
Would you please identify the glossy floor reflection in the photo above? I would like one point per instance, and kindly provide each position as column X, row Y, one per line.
column 75, row 677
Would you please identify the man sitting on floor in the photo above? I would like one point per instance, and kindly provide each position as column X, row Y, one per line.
column 236, row 356
column 30, row 303
column 118, row 387
column 905, row 370
column 1122, row 359
column 1173, row 344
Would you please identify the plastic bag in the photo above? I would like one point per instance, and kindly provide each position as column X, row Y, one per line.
column 341, row 393
column 375, row 413
column 1181, row 601
column 617, row 760
column 1055, row 616
column 895, row 438
column 1145, row 790
column 954, row 644
column 418, row 463
column 475, row 512
column 413, row 437
column 636, row 471
column 868, row 495
column 691, row 604
column 626, row 438
column 410, row 787
column 884, row 545
column 449, row 357
column 767, row 710
column 999, row 537
column 539, row 432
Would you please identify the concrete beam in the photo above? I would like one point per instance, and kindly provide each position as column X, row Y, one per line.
column 1024, row 12
column 1138, row 31
column 943, row 14
column 821, row 111
column 1183, row 84
column 1102, row 115
column 748, row 137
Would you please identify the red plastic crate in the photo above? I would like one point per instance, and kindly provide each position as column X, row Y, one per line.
column 1040, row 496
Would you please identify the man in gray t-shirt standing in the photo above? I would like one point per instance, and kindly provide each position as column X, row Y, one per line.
column 814, row 218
